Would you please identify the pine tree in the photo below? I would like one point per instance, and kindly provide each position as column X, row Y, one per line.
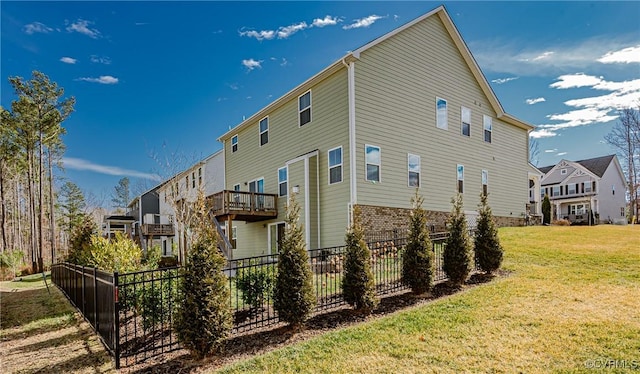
column 358, row 285
column 546, row 210
column 486, row 242
column 293, row 297
column 418, row 259
column 203, row 320
column 457, row 259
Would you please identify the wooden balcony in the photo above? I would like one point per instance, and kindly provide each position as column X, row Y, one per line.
column 244, row 206
column 150, row 229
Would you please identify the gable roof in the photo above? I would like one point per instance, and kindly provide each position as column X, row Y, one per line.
column 597, row 165
column 441, row 12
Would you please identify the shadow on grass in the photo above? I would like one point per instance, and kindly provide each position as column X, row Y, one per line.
column 258, row 342
column 99, row 362
column 22, row 307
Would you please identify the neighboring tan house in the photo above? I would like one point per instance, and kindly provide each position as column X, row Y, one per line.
column 583, row 191
column 150, row 227
column 408, row 110
column 206, row 176
column 534, row 208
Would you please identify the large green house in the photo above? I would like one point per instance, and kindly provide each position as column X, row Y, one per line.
column 411, row 109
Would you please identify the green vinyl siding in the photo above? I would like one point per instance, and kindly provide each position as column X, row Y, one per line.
column 396, row 84
column 287, row 141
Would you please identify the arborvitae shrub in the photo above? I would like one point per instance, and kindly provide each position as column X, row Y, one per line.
column 80, row 242
column 546, row 210
column 294, row 297
column 418, row 259
column 256, row 283
column 358, row 284
column 457, row 259
column 203, row 320
column 486, row 242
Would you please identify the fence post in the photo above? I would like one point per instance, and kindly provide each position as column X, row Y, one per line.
column 116, row 320
column 82, row 293
column 95, row 300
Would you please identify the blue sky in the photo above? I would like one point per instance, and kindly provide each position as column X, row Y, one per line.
column 170, row 77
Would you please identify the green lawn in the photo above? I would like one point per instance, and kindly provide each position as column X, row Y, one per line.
column 41, row 333
column 571, row 301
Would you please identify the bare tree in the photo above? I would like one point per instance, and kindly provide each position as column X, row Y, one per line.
column 534, row 151
column 625, row 139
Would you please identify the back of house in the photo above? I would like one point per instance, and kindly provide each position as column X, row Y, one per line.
column 409, row 111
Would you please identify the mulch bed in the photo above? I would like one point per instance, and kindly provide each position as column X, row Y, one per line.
column 262, row 340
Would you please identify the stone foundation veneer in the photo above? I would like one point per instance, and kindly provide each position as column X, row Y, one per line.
column 378, row 219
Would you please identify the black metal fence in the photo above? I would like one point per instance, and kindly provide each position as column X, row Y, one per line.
column 134, row 312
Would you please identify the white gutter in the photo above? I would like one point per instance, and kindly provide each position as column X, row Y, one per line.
column 352, row 131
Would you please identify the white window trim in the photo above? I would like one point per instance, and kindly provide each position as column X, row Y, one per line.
column 484, row 127
column 366, row 178
column 262, row 132
column 341, row 164
column 410, row 171
column 269, row 233
column 256, row 180
column 458, row 179
column 286, row 181
column 444, row 126
column 239, row 187
column 302, row 110
column 462, row 108
column 236, row 143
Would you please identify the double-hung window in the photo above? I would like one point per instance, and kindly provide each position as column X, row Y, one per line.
column 264, row 131
column 487, row 123
column 234, row 144
column 372, row 163
column 282, row 181
column 460, row 177
column 304, row 108
column 335, row 165
column 441, row 113
column 413, row 167
column 465, row 118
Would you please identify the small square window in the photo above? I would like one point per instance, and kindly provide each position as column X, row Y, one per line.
column 282, row 182
column 304, row 108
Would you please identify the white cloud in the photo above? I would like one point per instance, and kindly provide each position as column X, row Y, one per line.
column 103, row 79
column 287, row 31
column 551, row 150
column 535, row 101
column 100, row 60
column 622, row 56
column 220, row 99
column 542, row 56
column 503, row 80
column 575, row 80
column 542, row 133
column 36, row 27
column 251, row 64
column 80, row 164
column 82, row 26
column 326, row 21
column 260, row 35
column 233, row 86
column 508, row 56
column 68, row 60
column 561, row 153
column 363, row 22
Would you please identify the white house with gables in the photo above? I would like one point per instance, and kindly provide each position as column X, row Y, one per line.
column 583, row 191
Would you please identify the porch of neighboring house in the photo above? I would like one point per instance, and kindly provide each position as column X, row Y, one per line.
column 154, row 229
column 113, row 224
column 578, row 211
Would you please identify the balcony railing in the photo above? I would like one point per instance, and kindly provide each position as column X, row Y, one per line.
column 154, row 229
column 245, row 206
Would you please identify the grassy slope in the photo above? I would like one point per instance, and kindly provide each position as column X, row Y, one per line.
column 573, row 296
column 41, row 332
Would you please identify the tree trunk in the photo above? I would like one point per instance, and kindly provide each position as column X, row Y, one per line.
column 32, row 210
column 40, row 208
column 52, row 221
column 3, row 201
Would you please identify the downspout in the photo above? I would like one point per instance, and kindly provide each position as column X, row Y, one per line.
column 352, row 133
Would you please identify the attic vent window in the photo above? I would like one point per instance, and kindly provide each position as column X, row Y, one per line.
column 563, row 171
